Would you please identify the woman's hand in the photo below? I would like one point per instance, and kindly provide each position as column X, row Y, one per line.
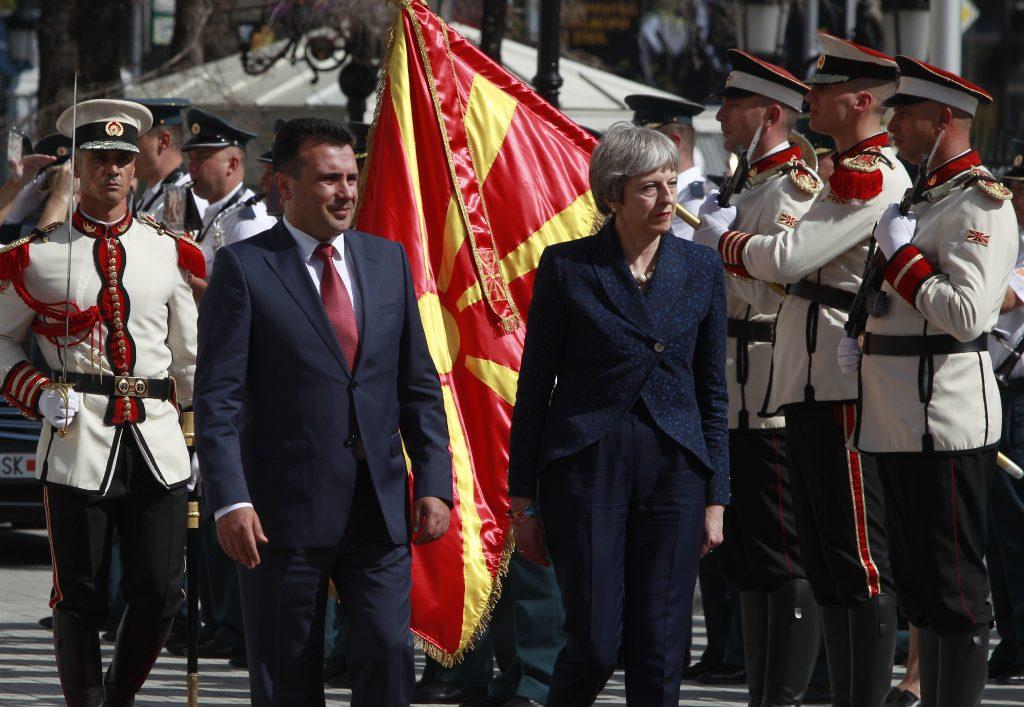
column 528, row 532
column 713, row 521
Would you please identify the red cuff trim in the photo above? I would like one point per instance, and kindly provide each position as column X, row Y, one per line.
column 907, row 270
column 22, row 387
column 730, row 247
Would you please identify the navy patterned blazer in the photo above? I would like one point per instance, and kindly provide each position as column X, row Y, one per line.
column 595, row 343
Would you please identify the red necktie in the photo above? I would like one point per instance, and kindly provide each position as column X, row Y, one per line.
column 338, row 305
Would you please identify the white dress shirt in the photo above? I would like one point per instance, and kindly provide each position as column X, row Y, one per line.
column 342, row 261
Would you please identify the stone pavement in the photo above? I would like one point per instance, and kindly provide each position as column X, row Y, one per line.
column 28, row 675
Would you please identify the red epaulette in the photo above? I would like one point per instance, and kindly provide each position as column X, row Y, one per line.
column 190, row 255
column 14, row 256
column 859, row 176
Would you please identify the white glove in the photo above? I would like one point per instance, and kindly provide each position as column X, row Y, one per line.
column 194, row 480
column 894, row 231
column 51, row 406
column 714, row 221
column 848, row 355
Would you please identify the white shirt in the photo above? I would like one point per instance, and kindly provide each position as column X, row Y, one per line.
column 1010, row 327
column 342, row 262
column 235, row 225
column 686, row 178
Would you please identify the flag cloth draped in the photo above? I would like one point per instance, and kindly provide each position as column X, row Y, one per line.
column 474, row 174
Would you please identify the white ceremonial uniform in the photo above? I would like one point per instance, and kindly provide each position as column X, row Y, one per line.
column 236, row 223
column 152, row 200
column 691, row 186
column 1009, row 328
column 160, row 336
column 950, row 279
column 828, row 247
column 773, row 201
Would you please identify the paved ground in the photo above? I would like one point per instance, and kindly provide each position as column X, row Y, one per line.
column 28, row 676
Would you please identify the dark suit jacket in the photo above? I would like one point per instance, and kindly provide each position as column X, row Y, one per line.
column 600, row 344
column 275, row 399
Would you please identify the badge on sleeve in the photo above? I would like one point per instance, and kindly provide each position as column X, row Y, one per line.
column 974, row 236
column 788, row 220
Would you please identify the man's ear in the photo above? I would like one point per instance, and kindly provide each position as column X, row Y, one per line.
column 284, row 186
column 164, row 141
column 864, row 101
column 675, row 138
column 945, row 117
column 772, row 115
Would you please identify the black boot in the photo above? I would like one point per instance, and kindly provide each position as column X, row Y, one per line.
column 928, row 660
column 836, row 623
column 754, row 615
column 872, row 645
column 963, row 668
column 139, row 642
column 77, row 649
column 794, row 635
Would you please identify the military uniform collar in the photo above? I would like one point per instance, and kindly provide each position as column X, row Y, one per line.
column 100, row 229
column 950, row 169
column 772, row 163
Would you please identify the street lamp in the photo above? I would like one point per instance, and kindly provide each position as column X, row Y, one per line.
column 906, row 27
column 548, row 81
column 764, row 23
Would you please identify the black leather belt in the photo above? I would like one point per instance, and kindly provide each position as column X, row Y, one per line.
column 751, row 331
column 825, row 294
column 122, row 386
column 935, row 345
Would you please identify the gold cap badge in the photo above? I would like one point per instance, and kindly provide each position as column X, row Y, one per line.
column 62, row 151
column 821, row 62
column 729, row 79
column 114, row 129
column 1018, row 160
column 195, row 128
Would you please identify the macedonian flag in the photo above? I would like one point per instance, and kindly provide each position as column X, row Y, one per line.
column 475, row 174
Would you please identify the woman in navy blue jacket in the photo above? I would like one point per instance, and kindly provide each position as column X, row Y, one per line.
column 619, row 447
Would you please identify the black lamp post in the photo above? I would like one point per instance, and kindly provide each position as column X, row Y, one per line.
column 548, row 81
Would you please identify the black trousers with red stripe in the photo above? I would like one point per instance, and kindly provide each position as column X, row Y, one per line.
column 150, row 522
column 937, row 524
column 839, row 507
column 760, row 550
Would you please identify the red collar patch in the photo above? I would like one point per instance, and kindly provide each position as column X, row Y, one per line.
column 95, row 229
column 774, row 160
column 955, row 166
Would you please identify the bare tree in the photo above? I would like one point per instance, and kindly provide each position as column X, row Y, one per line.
column 189, row 19
column 58, row 60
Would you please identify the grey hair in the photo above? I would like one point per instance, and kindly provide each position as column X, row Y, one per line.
column 625, row 151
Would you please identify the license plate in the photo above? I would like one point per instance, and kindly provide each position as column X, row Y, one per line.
column 15, row 467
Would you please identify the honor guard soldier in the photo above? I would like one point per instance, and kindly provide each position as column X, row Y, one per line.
column 1005, row 555
column 160, row 162
column 674, row 118
column 121, row 354
column 216, row 162
column 837, row 494
column 43, row 200
column 929, row 404
column 781, row 625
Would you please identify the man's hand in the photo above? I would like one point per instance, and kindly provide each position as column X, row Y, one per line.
column 52, row 407
column 714, row 221
column 529, row 533
column 848, row 355
column 713, row 521
column 894, row 231
column 430, row 520
column 26, row 170
column 238, row 533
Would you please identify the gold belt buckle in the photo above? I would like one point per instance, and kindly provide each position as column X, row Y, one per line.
column 130, row 387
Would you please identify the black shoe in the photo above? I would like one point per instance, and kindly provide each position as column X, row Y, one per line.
column 818, row 694
column 1012, row 676
column 694, row 671
column 342, row 680
column 999, row 671
column 216, row 648
column 333, row 670
column 441, row 693
column 239, row 661
column 108, row 636
column 725, row 675
column 47, row 622
column 901, row 698
column 518, row 701
column 494, row 701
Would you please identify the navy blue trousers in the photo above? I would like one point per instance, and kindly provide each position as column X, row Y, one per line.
column 285, row 597
column 624, row 522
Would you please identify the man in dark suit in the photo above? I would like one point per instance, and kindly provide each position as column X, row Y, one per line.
column 314, row 372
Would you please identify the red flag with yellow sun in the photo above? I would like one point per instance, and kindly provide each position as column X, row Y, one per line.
column 475, row 174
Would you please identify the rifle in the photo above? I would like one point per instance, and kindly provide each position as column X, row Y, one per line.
column 739, row 177
column 870, row 301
